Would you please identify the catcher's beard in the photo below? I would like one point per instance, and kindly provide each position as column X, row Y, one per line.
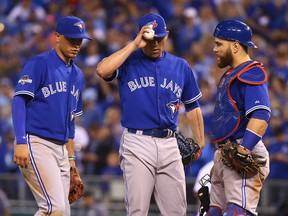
column 225, row 60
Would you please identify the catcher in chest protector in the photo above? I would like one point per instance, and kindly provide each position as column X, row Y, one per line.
column 241, row 116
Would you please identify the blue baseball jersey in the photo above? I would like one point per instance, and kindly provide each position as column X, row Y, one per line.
column 241, row 91
column 55, row 88
column 151, row 90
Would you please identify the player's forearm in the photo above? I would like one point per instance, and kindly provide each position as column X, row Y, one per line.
column 196, row 123
column 258, row 126
column 70, row 147
column 253, row 133
column 108, row 65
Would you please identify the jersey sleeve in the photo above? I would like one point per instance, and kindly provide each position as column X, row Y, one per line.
column 79, row 102
column 256, row 97
column 19, row 117
column 79, row 108
column 191, row 91
column 30, row 78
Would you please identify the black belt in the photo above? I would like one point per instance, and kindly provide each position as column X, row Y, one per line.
column 159, row 133
column 57, row 142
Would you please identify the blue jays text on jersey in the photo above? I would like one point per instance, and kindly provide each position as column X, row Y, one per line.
column 247, row 81
column 150, row 82
column 162, row 83
column 50, row 81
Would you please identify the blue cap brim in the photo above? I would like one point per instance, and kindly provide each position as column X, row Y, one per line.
column 250, row 44
column 83, row 36
column 161, row 35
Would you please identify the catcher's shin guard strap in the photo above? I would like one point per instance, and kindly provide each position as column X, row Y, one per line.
column 203, row 194
column 235, row 210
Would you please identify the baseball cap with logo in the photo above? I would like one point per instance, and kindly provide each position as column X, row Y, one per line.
column 157, row 22
column 72, row 27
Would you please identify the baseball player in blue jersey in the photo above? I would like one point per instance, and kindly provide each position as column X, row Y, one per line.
column 151, row 85
column 46, row 101
column 241, row 115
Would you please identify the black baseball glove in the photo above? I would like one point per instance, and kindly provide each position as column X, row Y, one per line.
column 249, row 163
column 189, row 149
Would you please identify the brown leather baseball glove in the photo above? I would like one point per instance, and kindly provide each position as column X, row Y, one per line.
column 231, row 157
column 76, row 185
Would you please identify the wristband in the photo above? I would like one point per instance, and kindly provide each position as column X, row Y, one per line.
column 250, row 139
column 71, row 158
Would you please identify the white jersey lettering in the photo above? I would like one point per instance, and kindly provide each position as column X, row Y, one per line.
column 151, row 81
column 132, row 86
column 45, row 92
column 163, row 84
column 175, row 88
column 52, row 91
column 144, row 82
column 58, row 87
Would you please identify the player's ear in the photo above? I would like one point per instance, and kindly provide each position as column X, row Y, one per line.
column 167, row 34
column 235, row 46
column 57, row 37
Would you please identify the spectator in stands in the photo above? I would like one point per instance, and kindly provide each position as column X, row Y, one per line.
column 100, row 145
column 189, row 31
column 278, row 151
column 25, row 12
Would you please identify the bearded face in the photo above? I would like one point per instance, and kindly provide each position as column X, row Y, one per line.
column 225, row 59
column 223, row 53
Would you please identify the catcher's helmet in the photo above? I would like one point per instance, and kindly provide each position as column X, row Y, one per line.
column 234, row 30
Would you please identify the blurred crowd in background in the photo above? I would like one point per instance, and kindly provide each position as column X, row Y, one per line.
column 27, row 28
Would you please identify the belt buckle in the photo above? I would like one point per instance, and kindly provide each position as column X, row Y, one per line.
column 170, row 133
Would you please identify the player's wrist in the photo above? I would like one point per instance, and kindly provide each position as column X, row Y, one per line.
column 250, row 139
column 72, row 158
column 21, row 140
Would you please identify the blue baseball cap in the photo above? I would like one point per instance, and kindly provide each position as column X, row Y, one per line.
column 72, row 27
column 157, row 22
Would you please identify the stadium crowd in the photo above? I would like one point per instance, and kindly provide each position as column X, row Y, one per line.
column 26, row 27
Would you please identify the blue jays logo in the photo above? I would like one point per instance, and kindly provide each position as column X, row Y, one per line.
column 153, row 24
column 80, row 25
column 174, row 107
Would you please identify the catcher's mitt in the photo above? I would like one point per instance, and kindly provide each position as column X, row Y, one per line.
column 76, row 185
column 189, row 149
column 231, row 157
